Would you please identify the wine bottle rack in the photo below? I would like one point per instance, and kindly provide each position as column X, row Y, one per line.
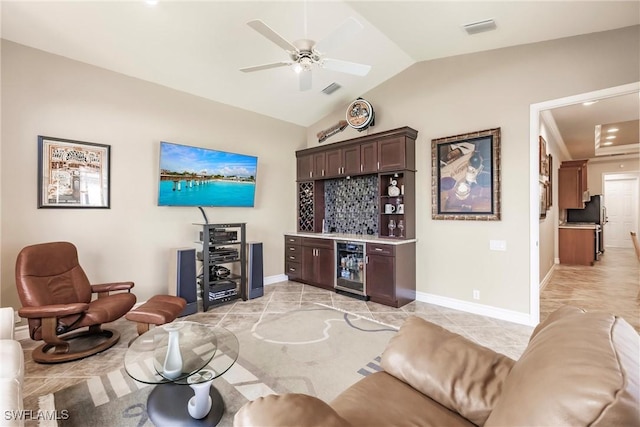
column 306, row 206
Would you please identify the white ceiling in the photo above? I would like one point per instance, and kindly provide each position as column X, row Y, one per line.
column 198, row 47
column 577, row 126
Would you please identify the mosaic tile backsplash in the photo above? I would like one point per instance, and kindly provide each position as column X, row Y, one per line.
column 351, row 205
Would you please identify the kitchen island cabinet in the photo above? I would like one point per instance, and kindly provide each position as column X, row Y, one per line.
column 576, row 246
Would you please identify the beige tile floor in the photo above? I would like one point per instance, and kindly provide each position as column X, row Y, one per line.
column 611, row 285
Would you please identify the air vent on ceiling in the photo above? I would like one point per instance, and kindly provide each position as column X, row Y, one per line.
column 331, row 88
column 480, row 26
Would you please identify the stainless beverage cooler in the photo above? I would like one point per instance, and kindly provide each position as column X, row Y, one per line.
column 350, row 266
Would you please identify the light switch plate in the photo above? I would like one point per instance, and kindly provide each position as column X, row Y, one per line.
column 498, row 245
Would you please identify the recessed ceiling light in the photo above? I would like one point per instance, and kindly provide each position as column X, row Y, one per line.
column 612, row 130
column 586, row 104
column 611, row 137
column 608, row 143
column 151, row 2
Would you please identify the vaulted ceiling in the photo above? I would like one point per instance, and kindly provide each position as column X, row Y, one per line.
column 199, row 46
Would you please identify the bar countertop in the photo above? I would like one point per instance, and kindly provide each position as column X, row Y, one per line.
column 354, row 238
column 583, row 225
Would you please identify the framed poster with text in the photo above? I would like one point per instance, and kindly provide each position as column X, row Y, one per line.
column 72, row 174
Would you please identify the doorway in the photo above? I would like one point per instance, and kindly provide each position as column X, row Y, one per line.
column 534, row 196
column 621, row 202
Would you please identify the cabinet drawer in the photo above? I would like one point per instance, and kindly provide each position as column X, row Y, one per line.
column 292, row 240
column 292, row 250
column 317, row 243
column 380, row 249
column 293, row 256
column 292, row 269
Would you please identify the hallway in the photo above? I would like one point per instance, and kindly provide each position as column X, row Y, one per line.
column 611, row 285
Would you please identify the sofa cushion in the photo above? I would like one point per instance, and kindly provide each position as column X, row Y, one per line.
column 292, row 409
column 11, row 405
column 455, row 372
column 382, row 400
column 12, row 357
column 579, row 369
column 6, row 323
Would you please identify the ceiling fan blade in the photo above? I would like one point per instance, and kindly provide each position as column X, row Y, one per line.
column 346, row 67
column 264, row 67
column 305, row 80
column 268, row 33
column 343, row 34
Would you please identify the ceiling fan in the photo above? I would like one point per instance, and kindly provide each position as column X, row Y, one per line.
column 304, row 53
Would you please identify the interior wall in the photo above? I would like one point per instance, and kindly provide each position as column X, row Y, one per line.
column 45, row 94
column 479, row 91
column 597, row 168
column 548, row 241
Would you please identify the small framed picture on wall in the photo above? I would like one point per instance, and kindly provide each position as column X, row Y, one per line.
column 73, row 174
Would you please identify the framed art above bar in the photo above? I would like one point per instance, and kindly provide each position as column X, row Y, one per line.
column 73, row 174
column 465, row 181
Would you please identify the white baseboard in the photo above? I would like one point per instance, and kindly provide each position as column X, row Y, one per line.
column 475, row 308
column 546, row 279
column 270, row 280
column 21, row 333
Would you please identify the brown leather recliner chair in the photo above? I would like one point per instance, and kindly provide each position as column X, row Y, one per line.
column 56, row 298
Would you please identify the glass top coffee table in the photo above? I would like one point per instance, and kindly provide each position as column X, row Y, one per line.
column 182, row 359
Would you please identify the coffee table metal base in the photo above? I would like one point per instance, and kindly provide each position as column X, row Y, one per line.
column 167, row 406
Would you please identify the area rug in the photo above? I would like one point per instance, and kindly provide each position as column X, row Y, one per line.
column 318, row 351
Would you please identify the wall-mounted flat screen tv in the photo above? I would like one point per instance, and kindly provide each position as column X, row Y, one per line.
column 193, row 176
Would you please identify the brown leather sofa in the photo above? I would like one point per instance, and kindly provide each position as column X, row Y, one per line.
column 579, row 369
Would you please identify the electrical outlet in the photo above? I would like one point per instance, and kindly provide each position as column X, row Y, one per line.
column 476, row 294
column 16, row 318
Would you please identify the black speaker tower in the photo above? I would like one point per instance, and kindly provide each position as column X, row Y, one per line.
column 182, row 278
column 255, row 270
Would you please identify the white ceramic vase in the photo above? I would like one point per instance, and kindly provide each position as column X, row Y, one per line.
column 200, row 404
column 172, row 367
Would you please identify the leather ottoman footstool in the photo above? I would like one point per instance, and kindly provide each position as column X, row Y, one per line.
column 158, row 310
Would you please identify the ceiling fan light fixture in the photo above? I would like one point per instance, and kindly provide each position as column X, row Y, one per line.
column 305, row 63
column 480, row 26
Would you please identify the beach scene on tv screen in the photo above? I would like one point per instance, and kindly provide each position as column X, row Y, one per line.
column 193, row 176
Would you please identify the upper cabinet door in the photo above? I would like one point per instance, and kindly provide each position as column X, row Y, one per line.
column 351, row 160
column 369, row 157
column 333, row 159
column 391, row 154
column 319, row 165
column 304, row 167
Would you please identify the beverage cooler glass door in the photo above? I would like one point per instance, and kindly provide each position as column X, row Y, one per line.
column 350, row 267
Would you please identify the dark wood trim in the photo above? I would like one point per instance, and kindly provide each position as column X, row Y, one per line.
column 405, row 131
